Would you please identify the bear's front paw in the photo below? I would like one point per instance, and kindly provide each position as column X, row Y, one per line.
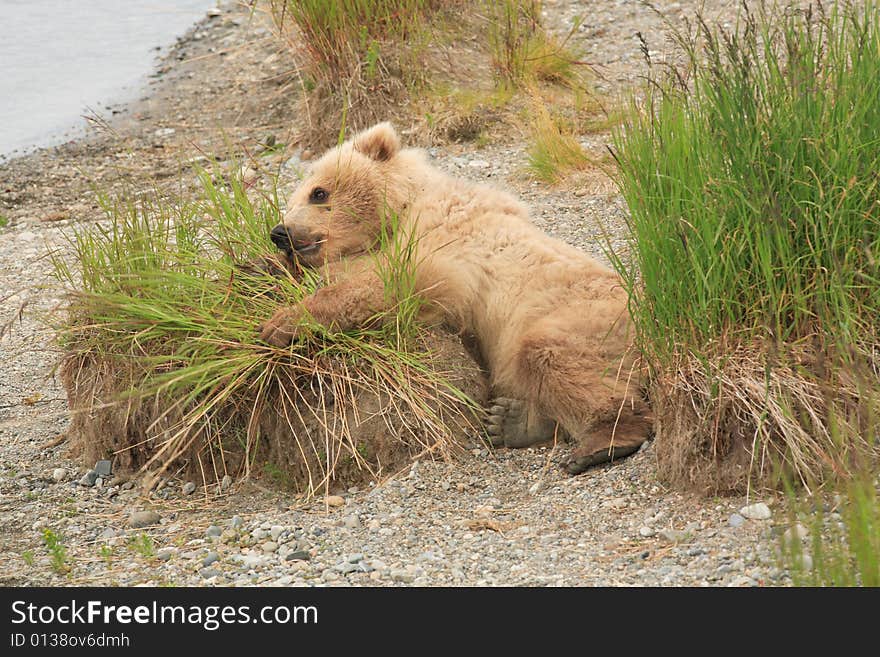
column 282, row 328
column 276, row 265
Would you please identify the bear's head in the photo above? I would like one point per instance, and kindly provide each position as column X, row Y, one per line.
column 339, row 210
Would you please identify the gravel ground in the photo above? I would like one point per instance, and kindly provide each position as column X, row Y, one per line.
column 505, row 517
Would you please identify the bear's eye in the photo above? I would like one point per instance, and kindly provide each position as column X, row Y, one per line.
column 318, row 195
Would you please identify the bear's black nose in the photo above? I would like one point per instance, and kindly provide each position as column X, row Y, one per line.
column 280, row 237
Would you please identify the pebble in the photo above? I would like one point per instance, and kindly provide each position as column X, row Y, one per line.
column 269, row 546
column 226, row 482
column 59, row 475
column 140, row 519
column 88, row 479
column 735, row 520
column 208, row 573
column 250, row 560
column 646, row 532
column 759, row 511
column 798, row 531
column 299, row 555
column 165, row 554
column 345, row 567
column 213, row 530
column 334, row 500
column 189, row 488
column 210, row 558
column 673, row 536
column 103, row 468
column 236, row 522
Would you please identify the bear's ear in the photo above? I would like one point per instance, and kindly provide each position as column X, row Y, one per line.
column 380, row 142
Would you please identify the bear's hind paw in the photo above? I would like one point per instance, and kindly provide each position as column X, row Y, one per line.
column 509, row 424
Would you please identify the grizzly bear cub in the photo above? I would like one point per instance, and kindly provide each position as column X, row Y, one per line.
column 550, row 323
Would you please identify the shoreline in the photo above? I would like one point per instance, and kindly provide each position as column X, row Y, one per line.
column 138, row 56
column 166, row 117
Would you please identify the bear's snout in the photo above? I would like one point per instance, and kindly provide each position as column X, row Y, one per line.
column 281, row 238
column 294, row 244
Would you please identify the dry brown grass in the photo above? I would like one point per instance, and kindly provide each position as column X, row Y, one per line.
column 724, row 426
column 320, row 422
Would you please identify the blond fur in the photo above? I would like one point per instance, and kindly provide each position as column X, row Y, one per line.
column 550, row 322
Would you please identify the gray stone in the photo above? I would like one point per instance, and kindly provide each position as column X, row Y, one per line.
column 89, row 478
column 377, row 564
column 742, row 580
column 165, row 554
column 402, row 575
column 356, row 557
column 299, row 555
column 796, row 532
column 352, row 522
column 250, row 560
column 269, row 546
column 226, row 482
column 103, row 468
column 759, row 511
column 236, row 522
column 673, row 536
column 345, row 567
column 646, row 532
column 210, row 558
column 275, row 532
column 189, row 488
column 213, row 530
column 208, row 573
column 140, row 519
column 735, row 520
column 110, row 532
column 59, row 475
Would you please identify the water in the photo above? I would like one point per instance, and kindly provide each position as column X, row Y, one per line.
column 59, row 59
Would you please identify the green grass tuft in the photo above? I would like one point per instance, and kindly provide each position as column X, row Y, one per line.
column 165, row 299
column 754, row 228
column 57, row 551
column 554, row 151
column 142, row 544
column 523, row 53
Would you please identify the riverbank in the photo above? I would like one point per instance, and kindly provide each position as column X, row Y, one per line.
column 506, row 517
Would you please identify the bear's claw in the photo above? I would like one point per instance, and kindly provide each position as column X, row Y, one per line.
column 509, row 424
